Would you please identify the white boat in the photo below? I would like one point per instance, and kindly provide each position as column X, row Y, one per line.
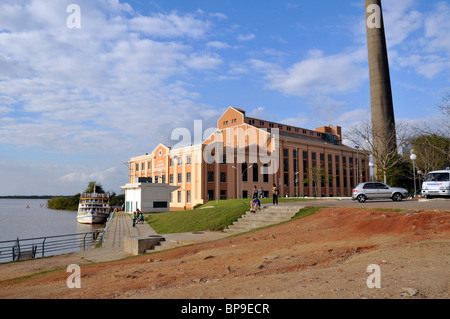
column 93, row 208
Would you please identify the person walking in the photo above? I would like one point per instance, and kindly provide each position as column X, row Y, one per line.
column 275, row 194
column 133, row 217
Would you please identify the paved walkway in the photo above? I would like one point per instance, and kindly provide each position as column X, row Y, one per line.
column 122, row 226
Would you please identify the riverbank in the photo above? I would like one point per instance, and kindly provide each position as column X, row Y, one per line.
column 325, row 255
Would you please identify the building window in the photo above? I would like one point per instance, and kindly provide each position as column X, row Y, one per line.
column 244, row 172
column 188, row 159
column 223, row 194
column 188, row 197
column 180, row 161
column 261, row 122
column 149, row 165
column 265, row 173
column 143, row 166
column 164, row 179
column 255, row 172
column 179, row 196
column 171, row 162
column 223, row 177
column 188, row 177
column 288, row 128
column 210, row 177
column 180, row 180
column 137, row 167
column 171, row 178
column 270, row 124
column 286, row 180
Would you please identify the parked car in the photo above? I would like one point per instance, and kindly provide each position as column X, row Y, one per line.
column 437, row 183
column 371, row 190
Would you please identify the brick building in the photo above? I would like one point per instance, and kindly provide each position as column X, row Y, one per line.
column 244, row 152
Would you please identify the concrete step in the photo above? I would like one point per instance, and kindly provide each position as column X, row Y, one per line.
column 268, row 215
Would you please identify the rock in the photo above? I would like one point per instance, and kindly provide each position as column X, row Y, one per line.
column 272, row 257
column 208, row 257
column 409, row 292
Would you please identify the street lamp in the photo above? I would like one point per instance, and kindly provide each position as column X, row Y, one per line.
column 413, row 158
column 419, row 172
column 357, row 164
column 371, row 170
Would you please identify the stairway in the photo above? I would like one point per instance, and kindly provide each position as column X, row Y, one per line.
column 268, row 215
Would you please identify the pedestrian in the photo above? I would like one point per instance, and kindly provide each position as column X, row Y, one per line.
column 133, row 217
column 255, row 191
column 261, row 192
column 275, row 194
column 255, row 204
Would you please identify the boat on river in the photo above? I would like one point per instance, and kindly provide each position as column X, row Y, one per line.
column 93, row 208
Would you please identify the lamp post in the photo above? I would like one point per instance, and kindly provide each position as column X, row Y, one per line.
column 413, row 158
column 419, row 172
column 371, row 170
column 357, row 164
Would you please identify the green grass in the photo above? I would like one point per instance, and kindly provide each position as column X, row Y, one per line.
column 306, row 211
column 215, row 218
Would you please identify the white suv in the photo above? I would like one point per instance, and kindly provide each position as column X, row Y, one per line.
column 371, row 190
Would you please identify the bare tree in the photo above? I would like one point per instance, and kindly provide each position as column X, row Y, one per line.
column 434, row 138
column 368, row 140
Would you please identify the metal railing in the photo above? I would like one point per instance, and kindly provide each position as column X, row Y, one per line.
column 12, row 250
column 105, row 230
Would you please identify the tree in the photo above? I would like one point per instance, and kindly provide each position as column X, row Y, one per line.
column 368, row 139
column 94, row 187
column 433, row 140
column 431, row 151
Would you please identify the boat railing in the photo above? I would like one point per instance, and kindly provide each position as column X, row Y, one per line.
column 94, row 195
column 19, row 249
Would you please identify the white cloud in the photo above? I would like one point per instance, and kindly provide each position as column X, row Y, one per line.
column 116, row 81
column 169, row 26
column 246, row 37
column 88, row 176
column 316, row 74
column 218, row 45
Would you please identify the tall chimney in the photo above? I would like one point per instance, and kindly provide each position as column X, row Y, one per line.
column 381, row 105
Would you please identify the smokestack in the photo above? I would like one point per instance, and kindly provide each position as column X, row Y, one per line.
column 381, row 105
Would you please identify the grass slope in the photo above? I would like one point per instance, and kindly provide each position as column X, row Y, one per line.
column 209, row 216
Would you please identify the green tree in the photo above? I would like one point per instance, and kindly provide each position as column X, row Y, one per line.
column 94, row 187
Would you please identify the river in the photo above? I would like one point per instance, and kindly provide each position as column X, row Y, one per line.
column 29, row 218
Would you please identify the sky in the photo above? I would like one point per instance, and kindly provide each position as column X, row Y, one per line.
column 84, row 89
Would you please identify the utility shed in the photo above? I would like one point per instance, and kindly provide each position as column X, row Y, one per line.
column 148, row 197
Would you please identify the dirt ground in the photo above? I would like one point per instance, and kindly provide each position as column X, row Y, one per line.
column 325, row 255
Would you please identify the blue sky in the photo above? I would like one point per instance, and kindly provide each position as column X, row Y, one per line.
column 77, row 103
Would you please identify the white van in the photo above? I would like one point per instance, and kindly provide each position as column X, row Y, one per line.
column 436, row 183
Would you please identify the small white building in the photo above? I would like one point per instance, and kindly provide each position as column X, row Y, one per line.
column 148, row 197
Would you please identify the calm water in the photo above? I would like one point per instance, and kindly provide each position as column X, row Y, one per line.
column 16, row 220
